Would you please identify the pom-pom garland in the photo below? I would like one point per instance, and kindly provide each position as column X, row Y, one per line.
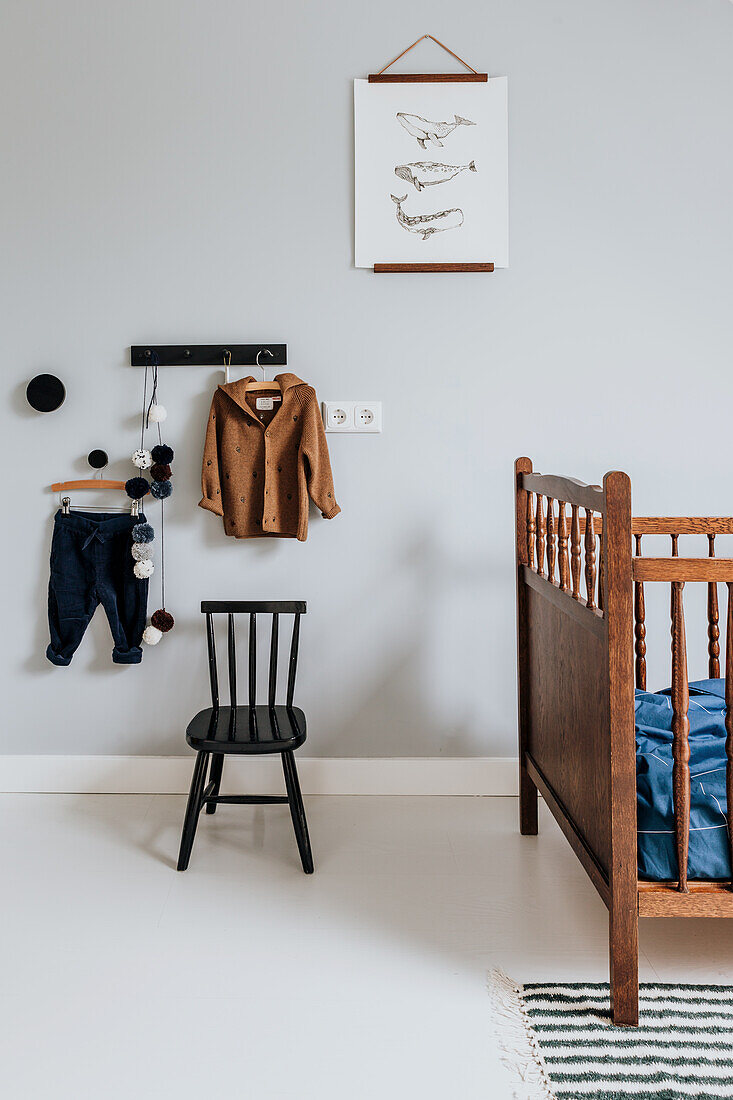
column 162, row 453
column 142, row 550
column 161, row 490
column 157, row 461
column 137, row 487
column 142, row 459
column 162, row 620
column 143, row 532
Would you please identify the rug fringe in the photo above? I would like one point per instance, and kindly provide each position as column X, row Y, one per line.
column 520, row 1052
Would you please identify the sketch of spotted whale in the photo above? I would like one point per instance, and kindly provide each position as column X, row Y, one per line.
column 426, row 173
column 427, row 224
column 426, row 131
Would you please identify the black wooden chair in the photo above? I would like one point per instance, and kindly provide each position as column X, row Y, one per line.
column 247, row 730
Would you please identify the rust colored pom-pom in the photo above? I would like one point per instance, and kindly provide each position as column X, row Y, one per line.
column 162, row 620
column 160, row 471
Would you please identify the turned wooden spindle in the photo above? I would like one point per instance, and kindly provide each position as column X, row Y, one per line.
column 575, row 550
column 675, row 551
column 550, row 539
column 729, row 721
column 601, row 573
column 562, row 547
column 530, row 530
column 680, row 734
column 713, row 620
column 590, row 560
column 639, row 626
column 540, row 537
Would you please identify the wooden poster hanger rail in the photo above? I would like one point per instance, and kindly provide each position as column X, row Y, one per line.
column 383, row 77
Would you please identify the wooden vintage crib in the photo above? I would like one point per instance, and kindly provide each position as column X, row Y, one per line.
column 580, row 655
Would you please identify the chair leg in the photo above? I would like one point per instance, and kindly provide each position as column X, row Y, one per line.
column 193, row 809
column 297, row 811
column 217, row 766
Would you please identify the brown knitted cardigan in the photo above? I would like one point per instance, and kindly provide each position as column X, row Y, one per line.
column 261, row 465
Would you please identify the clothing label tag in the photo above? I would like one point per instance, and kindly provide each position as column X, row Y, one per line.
column 265, row 403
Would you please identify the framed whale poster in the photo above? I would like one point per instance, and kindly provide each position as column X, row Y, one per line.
column 431, row 175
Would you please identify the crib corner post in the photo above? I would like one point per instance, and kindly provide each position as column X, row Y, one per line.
column 618, row 611
column 623, row 928
column 528, row 795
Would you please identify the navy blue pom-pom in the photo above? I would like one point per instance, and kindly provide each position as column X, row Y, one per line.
column 161, row 489
column 142, row 532
column 136, row 487
column 162, row 453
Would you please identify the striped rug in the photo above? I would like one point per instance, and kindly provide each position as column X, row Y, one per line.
column 559, row 1044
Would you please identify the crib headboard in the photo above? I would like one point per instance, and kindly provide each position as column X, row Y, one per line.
column 575, row 663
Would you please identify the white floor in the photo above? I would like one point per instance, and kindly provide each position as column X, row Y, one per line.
column 245, row 978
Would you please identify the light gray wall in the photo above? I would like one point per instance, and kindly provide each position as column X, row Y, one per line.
column 182, row 171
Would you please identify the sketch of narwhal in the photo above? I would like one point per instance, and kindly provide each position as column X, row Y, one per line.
column 426, row 131
column 426, row 173
column 427, row 224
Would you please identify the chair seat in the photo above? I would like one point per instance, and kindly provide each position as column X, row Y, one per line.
column 260, row 729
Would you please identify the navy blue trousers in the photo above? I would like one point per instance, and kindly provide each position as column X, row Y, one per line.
column 91, row 564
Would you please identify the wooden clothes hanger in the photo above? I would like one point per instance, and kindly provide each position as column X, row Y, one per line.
column 92, row 483
column 256, row 387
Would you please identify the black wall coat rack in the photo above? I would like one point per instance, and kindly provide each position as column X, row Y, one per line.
column 209, row 355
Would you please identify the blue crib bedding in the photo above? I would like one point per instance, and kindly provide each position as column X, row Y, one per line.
column 708, row 858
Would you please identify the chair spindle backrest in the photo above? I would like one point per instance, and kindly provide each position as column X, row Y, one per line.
column 275, row 609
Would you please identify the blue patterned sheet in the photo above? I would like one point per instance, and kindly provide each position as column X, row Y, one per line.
column 657, row 857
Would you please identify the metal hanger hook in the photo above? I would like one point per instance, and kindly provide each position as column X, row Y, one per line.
column 257, row 360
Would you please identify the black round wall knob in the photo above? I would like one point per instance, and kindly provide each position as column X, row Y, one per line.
column 45, row 393
column 97, row 459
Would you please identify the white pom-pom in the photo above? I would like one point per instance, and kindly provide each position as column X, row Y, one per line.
column 151, row 635
column 142, row 550
column 157, row 413
column 142, row 459
column 143, row 569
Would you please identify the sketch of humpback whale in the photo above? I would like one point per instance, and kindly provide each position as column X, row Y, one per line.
column 427, row 224
column 426, row 131
column 426, row 173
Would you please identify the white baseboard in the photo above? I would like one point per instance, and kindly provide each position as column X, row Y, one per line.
column 488, row 775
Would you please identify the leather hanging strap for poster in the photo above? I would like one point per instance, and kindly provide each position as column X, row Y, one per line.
column 383, row 77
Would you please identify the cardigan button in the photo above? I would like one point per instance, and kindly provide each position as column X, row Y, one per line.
column 238, row 449
column 295, row 418
column 242, row 499
column 290, row 496
column 209, row 462
column 254, row 473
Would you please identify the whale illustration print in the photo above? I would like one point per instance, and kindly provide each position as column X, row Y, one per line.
column 426, row 131
column 427, row 173
column 427, row 224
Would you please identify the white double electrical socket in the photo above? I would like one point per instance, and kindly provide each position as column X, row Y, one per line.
column 352, row 416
